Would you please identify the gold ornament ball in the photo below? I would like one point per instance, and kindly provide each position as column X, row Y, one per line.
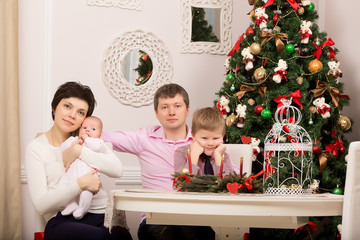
column 255, row 48
column 301, row 11
column 300, row 80
column 184, row 171
column 315, row 66
column 260, row 74
column 277, row 29
column 251, row 102
column 312, row 109
column 230, row 120
column 343, row 123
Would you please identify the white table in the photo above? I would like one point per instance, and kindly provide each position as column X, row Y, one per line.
column 227, row 210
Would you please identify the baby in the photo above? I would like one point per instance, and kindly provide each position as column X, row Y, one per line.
column 89, row 136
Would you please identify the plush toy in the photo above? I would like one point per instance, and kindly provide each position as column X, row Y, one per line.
column 256, row 149
column 280, row 71
column 241, row 115
column 261, row 18
column 248, row 58
column 305, row 31
column 334, row 71
column 227, row 64
column 305, row 2
column 339, row 228
column 223, row 106
column 322, row 108
column 315, row 186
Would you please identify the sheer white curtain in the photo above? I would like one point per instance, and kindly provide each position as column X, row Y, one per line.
column 10, row 186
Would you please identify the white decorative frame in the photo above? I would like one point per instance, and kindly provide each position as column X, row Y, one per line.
column 113, row 76
column 222, row 47
column 129, row 4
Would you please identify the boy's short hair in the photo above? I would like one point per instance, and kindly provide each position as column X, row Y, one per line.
column 208, row 119
column 169, row 91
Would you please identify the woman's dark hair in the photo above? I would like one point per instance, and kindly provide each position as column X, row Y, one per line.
column 77, row 90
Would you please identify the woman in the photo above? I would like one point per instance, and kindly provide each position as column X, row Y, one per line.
column 45, row 165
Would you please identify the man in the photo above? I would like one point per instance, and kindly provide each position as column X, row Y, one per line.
column 155, row 146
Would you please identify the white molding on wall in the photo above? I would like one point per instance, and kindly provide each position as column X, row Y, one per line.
column 130, row 177
column 47, row 63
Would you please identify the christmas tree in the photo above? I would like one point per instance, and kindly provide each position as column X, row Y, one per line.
column 201, row 30
column 283, row 55
column 144, row 68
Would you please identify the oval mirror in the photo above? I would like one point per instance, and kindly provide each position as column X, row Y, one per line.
column 137, row 67
column 150, row 60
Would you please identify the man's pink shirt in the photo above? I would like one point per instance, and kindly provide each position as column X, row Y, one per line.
column 154, row 151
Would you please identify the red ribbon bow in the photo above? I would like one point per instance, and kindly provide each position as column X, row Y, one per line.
column 236, row 46
column 333, row 148
column 323, row 110
column 329, row 42
column 311, row 225
column 295, row 97
column 294, row 4
column 248, row 181
column 186, row 179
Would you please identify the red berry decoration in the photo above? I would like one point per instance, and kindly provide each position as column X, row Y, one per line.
column 316, row 150
column 249, row 31
column 276, row 18
column 258, row 109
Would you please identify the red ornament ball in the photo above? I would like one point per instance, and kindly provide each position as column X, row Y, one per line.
column 316, row 150
column 258, row 109
column 249, row 31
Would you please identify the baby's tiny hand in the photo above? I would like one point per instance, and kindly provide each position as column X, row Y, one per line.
column 83, row 137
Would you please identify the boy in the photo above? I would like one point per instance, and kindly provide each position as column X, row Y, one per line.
column 207, row 148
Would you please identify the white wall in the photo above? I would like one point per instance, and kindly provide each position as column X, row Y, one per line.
column 61, row 40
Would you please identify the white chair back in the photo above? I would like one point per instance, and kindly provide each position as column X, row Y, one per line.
column 236, row 151
column 351, row 207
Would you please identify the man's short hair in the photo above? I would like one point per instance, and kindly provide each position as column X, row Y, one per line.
column 169, row 91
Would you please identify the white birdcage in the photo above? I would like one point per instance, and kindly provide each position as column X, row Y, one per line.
column 287, row 154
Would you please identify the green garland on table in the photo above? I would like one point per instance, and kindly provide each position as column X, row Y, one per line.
column 234, row 183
